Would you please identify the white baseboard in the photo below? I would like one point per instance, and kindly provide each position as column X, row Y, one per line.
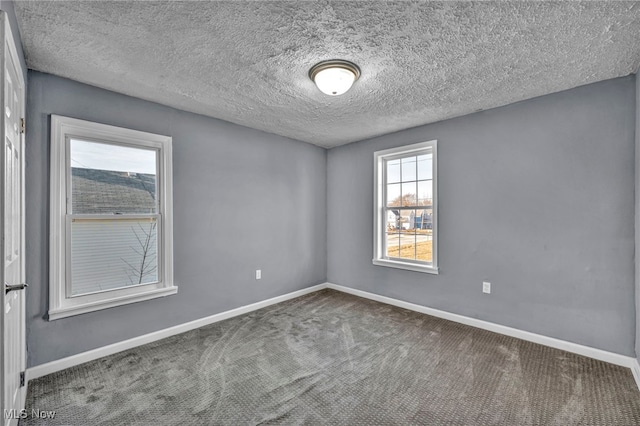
column 599, row 354
column 613, row 358
column 81, row 358
column 635, row 369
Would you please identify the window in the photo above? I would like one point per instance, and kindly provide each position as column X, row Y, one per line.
column 405, row 218
column 111, row 227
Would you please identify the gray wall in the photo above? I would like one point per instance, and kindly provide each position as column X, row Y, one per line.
column 243, row 200
column 637, row 206
column 536, row 197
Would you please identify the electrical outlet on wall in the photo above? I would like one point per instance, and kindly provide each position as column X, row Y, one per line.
column 486, row 287
column 258, row 274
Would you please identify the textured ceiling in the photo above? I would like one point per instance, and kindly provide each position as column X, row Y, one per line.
column 247, row 62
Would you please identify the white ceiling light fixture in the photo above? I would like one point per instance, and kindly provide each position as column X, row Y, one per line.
column 334, row 77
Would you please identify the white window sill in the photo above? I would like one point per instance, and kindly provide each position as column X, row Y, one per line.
column 406, row 265
column 68, row 311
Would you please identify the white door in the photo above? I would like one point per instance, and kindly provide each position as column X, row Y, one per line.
column 12, row 217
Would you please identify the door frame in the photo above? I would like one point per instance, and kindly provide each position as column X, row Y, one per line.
column 9, row 48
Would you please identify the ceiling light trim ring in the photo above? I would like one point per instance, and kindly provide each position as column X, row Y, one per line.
column 334, row 63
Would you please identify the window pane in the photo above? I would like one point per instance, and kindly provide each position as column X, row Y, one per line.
column 393, row 195
column 399, row 235
column 112, row 179
column 392, row 234
column 393, row 171
column 425, row 167
column 408, row 237
column 409, row 234
column 408, row 169
column 425, row 193
column 424, row 235
column 393, row 220
column 110, row 254
column 409, row 194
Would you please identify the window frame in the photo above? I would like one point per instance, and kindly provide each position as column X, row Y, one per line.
column 379, row 206
column 61, row 302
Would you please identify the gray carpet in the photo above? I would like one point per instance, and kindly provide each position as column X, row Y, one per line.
column 332, row 358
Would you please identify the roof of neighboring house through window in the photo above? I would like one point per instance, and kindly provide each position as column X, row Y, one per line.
column 112, row 192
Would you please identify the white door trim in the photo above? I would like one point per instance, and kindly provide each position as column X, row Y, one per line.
column 9, row 41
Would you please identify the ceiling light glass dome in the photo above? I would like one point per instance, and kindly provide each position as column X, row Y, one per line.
column 334, row 77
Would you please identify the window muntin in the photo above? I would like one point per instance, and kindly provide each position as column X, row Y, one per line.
column 111, row 217
column 405, row 212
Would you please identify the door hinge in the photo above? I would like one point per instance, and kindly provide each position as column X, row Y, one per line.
column 22, row 125
column 21, row 378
